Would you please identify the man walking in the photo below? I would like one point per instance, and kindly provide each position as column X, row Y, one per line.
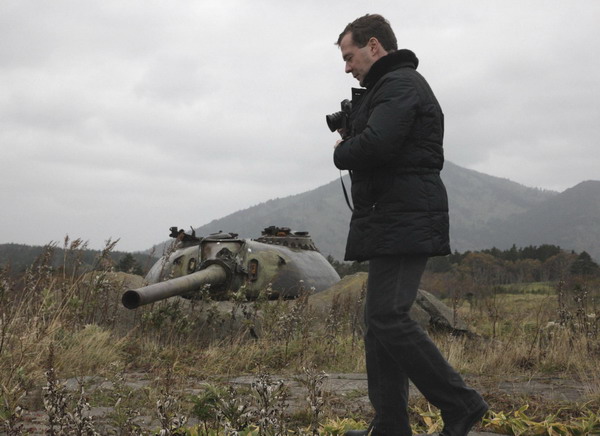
column 393, row 150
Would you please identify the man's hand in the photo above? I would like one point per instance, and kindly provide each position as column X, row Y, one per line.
column 342, row 133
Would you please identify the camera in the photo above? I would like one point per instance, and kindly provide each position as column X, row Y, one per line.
column 341, row 119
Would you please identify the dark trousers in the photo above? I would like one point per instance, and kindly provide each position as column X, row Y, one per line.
column 398, row 350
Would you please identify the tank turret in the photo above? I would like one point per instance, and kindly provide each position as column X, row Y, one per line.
column 282, row 260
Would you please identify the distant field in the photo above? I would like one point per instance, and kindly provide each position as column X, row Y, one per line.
column 547, row 288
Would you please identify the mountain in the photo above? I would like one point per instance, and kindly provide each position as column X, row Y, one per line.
column 322, row 211
column 485, row 211
column 479, row 202
column 569, row 220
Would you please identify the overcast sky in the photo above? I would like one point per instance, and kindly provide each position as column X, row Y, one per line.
column 119, row 119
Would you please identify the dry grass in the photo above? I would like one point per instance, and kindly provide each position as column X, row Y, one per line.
column 77, row 315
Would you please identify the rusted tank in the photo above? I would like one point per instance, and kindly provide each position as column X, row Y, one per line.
column 282, row 261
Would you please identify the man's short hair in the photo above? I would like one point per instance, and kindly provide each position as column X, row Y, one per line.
column 369, row 26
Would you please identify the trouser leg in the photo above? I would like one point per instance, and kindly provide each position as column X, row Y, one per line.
column 398, row 348
column 388, row 389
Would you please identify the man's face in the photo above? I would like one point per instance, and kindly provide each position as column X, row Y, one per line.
column 358, row 60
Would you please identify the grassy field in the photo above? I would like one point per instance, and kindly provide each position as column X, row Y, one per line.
column 59, row 324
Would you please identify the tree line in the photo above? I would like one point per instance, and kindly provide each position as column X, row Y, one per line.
column 17, row 258
column 495, row 266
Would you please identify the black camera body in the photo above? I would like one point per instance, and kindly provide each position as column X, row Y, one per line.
column 340, row 120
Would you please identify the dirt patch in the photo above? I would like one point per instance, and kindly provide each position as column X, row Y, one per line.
column 344, row 394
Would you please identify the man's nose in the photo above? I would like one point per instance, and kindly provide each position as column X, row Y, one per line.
column 348, row 68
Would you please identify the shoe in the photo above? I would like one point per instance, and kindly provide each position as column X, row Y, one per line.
column 461, row 426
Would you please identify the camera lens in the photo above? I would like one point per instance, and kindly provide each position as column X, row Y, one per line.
column 334, row 121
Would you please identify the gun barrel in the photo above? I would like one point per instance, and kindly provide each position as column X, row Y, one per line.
column 213, row 274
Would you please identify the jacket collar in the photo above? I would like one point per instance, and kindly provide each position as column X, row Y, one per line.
column 397, row 59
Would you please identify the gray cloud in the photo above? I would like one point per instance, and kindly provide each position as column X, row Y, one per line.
column 122, row 118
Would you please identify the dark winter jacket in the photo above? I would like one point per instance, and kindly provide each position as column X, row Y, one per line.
column 395, row 156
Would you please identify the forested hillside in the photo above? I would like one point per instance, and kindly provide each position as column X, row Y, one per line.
column 485, row 212
column 18, row 257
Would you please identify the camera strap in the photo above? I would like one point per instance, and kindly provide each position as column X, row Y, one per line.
column 344, row 189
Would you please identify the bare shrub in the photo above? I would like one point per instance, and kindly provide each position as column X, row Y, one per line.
column 312, row 380
column 65, row 418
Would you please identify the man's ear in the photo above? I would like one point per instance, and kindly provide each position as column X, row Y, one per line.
column 375, row 46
